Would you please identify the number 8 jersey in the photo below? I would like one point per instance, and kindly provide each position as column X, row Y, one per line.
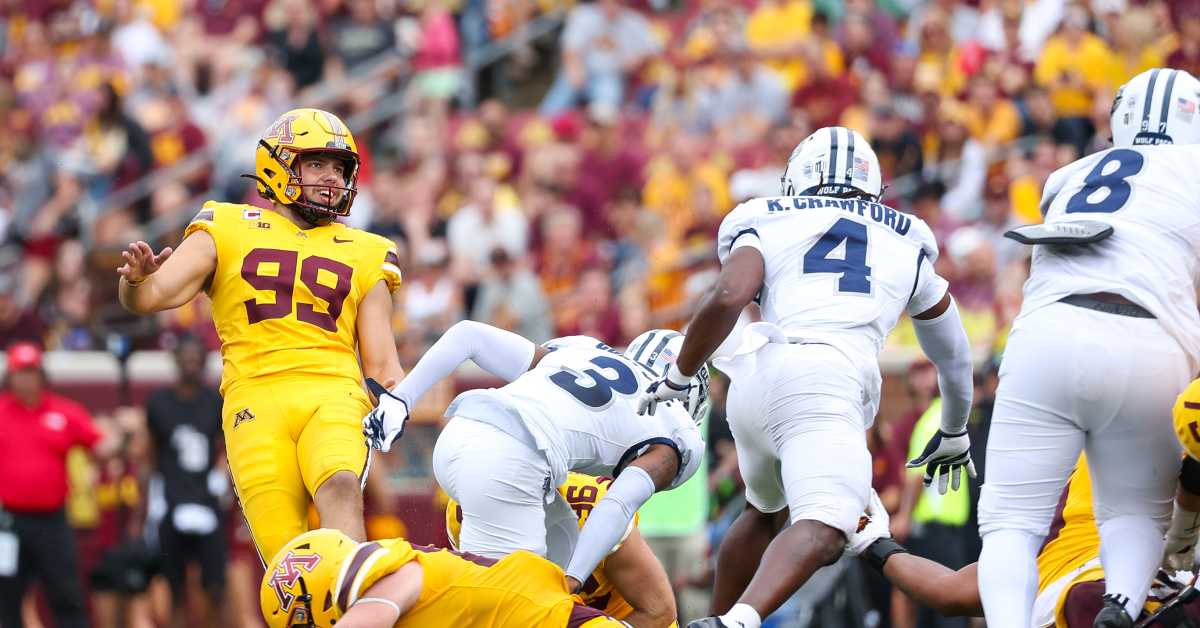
column 837, row 271
column 1151, row 197
column 578, row 407
column 285, row 299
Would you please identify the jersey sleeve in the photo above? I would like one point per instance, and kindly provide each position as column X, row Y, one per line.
column 382, row 263
column 205, row 220
column 738, row 229
column 691, row 452
column 925, row 238
column 928, row 286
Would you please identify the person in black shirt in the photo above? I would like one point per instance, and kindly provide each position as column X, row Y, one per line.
column 184, row 423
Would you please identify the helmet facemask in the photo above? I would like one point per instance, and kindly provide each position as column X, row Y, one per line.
column 288, row 159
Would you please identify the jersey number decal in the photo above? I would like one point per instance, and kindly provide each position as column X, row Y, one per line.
column 600, row 393
column 1129, row 163
column 855, row 274
column 283, row 284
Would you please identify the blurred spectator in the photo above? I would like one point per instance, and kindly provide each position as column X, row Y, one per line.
column 1187, row 55
column 563, row 256
column 510, row 297
column 746, row 99
column 184, row 425
column 437, row 61
column 974, row 280
column 895, row 143
column 433, row 300
column 1073, row 66
column 602, row 45
column 482, row 224
column 992, row 119
column 958, row 161
column 18, row 323
column 605, row 159
column 37, row 429
column 359, row 36
column 591, row 310
column 292, row 32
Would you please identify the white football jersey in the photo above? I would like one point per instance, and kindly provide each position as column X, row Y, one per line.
column 1151, row 197
column 837, row 271
column 579, row 405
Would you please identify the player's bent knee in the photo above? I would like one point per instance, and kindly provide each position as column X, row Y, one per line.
column 828, row 541
column 342, row 483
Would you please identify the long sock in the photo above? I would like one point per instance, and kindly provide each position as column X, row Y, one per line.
column 1131, row 549
column 1008, row 577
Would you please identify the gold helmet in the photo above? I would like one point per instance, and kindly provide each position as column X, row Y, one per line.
column 277, row 163
column 1187, row 419
column 299, row 586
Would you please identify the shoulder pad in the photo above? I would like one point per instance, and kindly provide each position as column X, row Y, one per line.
column 1064, row 232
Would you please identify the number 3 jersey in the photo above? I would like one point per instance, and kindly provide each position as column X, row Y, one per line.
column 578, row 407
column 1151, row 197
column 285, row 299
column 837, row 271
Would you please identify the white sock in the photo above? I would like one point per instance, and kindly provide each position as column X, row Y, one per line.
column 742, row 616
column 1131, row 549
column 1008, row 577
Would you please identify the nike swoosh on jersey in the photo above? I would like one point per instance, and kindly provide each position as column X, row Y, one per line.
column 337, row 241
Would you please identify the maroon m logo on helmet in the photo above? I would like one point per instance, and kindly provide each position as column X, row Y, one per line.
column 282, row 129
column 287, row 574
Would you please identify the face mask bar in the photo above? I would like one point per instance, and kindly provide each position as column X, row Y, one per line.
column 301, row 615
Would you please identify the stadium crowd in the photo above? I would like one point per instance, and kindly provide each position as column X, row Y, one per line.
column 570, row 183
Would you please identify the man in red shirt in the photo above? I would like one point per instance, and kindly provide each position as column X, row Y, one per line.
column 37, row 429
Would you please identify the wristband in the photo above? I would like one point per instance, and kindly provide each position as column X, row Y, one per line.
column 134, row 284
column 676, row 379
column 380, row 600
column 878, row 553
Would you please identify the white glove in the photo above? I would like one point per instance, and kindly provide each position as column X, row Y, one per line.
column 674, row 386
column 385, row 424
column 877, row 527
column 1179, row 553
column 945, row 454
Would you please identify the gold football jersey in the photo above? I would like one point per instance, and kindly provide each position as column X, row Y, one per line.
column 582, row 492
column 458, row 589
column 285, row 299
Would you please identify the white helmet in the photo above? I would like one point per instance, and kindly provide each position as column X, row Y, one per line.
column 833, row 161
column 1157, row 107
column 657, row 350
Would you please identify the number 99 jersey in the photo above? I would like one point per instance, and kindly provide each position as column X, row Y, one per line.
column 285, row 299
column 579, row 406
column 1151, row 197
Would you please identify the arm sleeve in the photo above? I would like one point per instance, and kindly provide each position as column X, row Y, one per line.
column 607, row 524
column 501, row 353
column 945, row 342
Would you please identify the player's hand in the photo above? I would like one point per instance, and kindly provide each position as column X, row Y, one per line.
column 384, row 425
column 945, row 455
column 573, row 586
column 141, row 261
column 878, row 527
column 1179, row 553
column 667, row 388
